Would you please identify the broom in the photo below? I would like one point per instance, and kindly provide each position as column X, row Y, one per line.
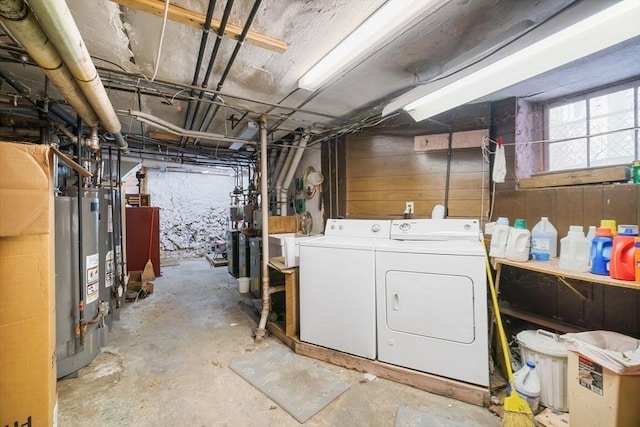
column 148, row 274
column 516, row 409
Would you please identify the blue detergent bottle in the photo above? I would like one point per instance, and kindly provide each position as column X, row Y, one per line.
column 601, row 251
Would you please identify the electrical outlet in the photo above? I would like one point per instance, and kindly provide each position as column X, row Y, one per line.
column 408, row 207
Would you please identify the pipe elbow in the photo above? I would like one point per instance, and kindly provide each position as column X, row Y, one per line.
column 93, row 142
column 122, row 143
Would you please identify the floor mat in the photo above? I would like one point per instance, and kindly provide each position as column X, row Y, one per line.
column 292, row 381
column 406, row 417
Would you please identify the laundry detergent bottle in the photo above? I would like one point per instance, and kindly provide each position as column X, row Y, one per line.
column 623, row 253
column 544, row 239
column 498, row 247
column 519, row 241
column 528, row 386
column 575, row 251
column 601, row 251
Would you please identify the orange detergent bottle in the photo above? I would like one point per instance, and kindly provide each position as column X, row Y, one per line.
column 623, row 263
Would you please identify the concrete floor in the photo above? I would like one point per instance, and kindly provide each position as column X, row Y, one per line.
column 167, row 365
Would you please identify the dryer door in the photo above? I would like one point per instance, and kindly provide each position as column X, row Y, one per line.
column 432, row 305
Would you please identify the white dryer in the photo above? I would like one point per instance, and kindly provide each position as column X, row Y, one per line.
column 432, row 299
column 337, row 286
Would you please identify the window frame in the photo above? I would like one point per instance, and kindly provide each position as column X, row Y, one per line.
column 587, row 96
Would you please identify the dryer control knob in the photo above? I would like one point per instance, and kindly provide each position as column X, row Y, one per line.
column 333, row 227
column 340, row 227
column 405, row 226
column 375, row 228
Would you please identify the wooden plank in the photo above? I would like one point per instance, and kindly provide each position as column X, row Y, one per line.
column 467, row 139
column 282, row 224
column 620, row 311
column 423, row 208
column 458, row 181
column 619, row 203
column 538, row 203
column 196, row 20
column 362, row 146
column 538, row 320
column 436, row 194
column 577, row 177
column 591, row 205
column 420, row 165
column 548, row 418
column 566, row 212
column 475, row 395
column 276, row 330
column 292, row 317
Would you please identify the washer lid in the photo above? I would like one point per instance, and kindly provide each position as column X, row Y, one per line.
column 544, row 342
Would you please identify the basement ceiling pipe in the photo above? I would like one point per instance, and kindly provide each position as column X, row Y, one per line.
column 299, row 151
column 55, row 18
column 206, row 122
column 19, row 20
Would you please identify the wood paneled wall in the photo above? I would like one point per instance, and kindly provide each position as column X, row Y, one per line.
column 384, row 171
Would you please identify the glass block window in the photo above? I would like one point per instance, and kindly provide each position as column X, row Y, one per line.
column 598, row 129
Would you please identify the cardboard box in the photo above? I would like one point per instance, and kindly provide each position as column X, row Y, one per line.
column 599, row 397
column 27, row 291
column 135, row 282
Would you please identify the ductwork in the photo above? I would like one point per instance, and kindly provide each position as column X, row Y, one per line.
column 298, row 152
column 55, row 26
column 280, row 208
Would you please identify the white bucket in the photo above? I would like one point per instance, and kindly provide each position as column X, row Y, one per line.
column 550, row 355
column 243, row 285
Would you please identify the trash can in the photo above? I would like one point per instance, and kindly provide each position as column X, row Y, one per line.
column 603, row 379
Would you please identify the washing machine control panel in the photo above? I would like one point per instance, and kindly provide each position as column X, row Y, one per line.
column 436, row 229
column 358, row 228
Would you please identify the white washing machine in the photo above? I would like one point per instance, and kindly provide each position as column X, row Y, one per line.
column 337, row 286
column 432, row 299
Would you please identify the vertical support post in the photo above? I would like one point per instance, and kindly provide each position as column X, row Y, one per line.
column 264, row 208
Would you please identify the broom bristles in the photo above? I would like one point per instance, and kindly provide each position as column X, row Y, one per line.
column 517, row 419
column 148, row 274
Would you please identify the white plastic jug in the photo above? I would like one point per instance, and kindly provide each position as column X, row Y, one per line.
column 528, row 385
column 518, row 242
column 498, row 247
column 575, row 250
column 544, row 238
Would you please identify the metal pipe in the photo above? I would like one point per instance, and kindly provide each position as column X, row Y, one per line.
column 264, row 197
column 19, row 20
column 81, row 261
column 55, row 18
column 283, row 173
column 212, row 58
column 298, row 152
column 203, row 44
column 254, row 10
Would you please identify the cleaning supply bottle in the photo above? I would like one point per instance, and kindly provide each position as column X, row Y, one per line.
column 601, row 251
column 519, row 241
column 610, row 224
column 637, row 259
column 498, row 247
column 527, row 384
column 574, row 251
column 544, row 238
column 623, row 253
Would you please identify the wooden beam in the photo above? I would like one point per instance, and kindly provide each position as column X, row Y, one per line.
column 578, row 177
column 187, row 17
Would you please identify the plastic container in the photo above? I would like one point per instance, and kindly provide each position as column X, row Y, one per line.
column 575, row 251
column 635, row 167
column 544, row 238
column 518, row 242
column 601, row 251
column 637, row 259
column 622, row 264
column 610, row 224
column 550, row 355
column 498, row 247
column 243, row 284
column 528, row 385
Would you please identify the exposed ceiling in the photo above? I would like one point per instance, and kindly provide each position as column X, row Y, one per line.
column 123, row 42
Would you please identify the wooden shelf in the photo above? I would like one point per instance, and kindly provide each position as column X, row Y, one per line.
column 551, row 267
column 538, row 320
column 291, row 290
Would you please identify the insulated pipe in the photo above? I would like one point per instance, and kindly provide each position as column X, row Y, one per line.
column 298, row 152
column 55, row 18
column 19, row 20
column 264, row 197
column 281, row 176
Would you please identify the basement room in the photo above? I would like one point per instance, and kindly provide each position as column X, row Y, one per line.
column 367, row 213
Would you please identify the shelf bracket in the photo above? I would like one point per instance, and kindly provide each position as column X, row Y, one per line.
column 573, row 289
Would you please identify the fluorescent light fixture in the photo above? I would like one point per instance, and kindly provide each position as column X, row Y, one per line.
column 386, row 23
column 604, row 29
column 250, row 130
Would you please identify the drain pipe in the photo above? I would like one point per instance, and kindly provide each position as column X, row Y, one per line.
column 92, row 142
column 264, row 197
column 55, row 18
column 298, row 152
column 17, row 17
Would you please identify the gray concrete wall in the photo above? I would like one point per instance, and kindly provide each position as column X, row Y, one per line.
column 193, row 210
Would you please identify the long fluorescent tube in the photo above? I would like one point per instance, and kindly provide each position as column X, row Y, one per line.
column 599, row 31
column 386, row 23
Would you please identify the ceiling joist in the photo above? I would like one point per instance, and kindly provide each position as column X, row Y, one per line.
column 187, row 17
